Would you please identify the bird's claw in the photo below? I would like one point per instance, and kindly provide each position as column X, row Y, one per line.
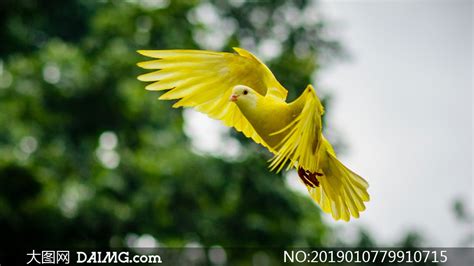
column 308, row 177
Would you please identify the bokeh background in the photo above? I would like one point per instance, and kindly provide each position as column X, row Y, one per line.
column 90, row 159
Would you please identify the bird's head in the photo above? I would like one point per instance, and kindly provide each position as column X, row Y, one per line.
column 243, row 95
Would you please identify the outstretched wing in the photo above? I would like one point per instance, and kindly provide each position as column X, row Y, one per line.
column 204, row 80
column 302, row 143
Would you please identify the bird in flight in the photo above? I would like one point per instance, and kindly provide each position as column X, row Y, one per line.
column 240, row 90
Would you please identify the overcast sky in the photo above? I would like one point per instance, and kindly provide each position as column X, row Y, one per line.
column 404, row 106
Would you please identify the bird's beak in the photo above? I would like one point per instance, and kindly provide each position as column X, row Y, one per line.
column 233, row 97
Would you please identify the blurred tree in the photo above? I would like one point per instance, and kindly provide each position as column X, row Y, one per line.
column 90, row 159
column 466, row 219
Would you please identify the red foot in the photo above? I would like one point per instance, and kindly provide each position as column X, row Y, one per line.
column 309, row 178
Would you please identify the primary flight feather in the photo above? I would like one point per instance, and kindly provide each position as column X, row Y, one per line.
column 238, row 89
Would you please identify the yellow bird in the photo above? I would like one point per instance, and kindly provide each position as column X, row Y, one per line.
column 238, row 89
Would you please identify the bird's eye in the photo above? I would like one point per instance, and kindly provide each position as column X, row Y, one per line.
column 246, row 92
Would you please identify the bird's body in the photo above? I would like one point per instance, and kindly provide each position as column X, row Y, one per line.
column 242, row 92
column 260, row 116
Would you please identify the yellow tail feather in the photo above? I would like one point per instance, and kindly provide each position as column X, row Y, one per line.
column 342, row 193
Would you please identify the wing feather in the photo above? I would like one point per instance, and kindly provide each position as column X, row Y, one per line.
column 204, row 80
column 302, row 142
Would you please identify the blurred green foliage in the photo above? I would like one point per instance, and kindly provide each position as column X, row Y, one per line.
column 88, row 158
